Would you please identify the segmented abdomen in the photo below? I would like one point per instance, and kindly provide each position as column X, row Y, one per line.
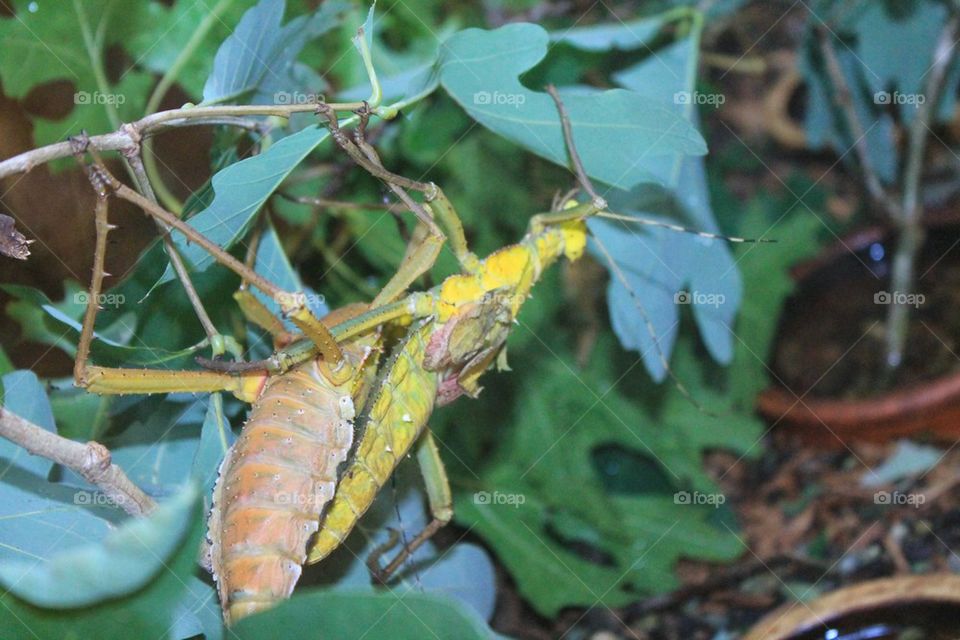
column 396, row 415
column 274, row 484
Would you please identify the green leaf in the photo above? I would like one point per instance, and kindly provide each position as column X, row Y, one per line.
column 160, row 441
column 57, row 325
column 38, row 517
column 904, row 69
column 43, row 42
column 216, row 437
column 767, row 283
column 259, row 56
column 273, row 264
column 659, row 264
column 123, row 562
column 399, row 616
column 148, row 612
column 623, row 138
column 81, row 415
column 607, row 36
column 565, row 540
column 240, row 190
column 826, row 125
column 175, row 24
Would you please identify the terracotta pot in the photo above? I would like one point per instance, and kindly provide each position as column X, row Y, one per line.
column 908, row 599
column 930, row 408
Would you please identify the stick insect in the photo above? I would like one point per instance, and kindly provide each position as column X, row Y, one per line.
column 283, row 498
column 458, row 331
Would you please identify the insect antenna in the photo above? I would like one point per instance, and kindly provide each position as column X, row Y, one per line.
column 587, row 186
column 676, row 227
column 661, row 356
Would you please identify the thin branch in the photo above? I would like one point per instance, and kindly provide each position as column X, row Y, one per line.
column 911, row 235
column 844, row 101
column 91, row 461
column 129, row 135
column 389, row 207
column 582, row 176
column 176, row 261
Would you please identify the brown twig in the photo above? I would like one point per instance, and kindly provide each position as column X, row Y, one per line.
column 129, row 135
column 135, row 159
column 844, row 101
column 91, row 461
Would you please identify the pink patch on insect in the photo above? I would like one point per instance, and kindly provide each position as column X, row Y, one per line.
column 437, row 352
column 449, row 390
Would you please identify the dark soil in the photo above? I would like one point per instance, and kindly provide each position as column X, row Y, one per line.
column 846, row 357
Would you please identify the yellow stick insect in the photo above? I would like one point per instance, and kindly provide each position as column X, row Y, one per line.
column 458, row 331
column 302, row 426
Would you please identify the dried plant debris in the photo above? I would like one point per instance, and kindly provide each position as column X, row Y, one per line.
column 13, row 244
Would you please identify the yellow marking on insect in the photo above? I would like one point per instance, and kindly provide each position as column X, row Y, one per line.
column 574, row 239
column 457, row 290
column 505, row 267
column 250, row 388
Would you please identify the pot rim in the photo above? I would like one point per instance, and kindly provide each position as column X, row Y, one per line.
column 792, row 618
column 778, row 400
